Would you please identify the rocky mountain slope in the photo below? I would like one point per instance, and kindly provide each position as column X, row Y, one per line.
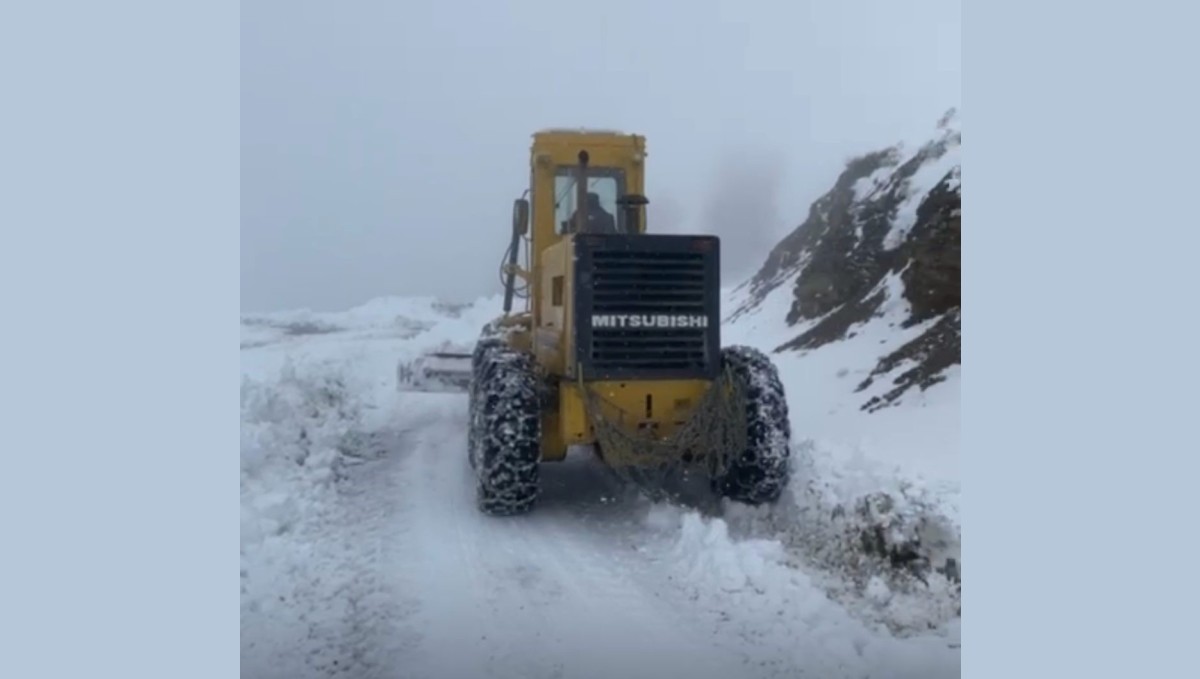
column 888, row 230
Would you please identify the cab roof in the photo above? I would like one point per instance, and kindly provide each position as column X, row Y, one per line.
column 581, row 130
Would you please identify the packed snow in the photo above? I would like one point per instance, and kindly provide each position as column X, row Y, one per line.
column 363, row 553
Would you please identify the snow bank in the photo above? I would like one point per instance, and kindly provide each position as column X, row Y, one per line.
column 305, row 405
column 377, row 312
column 296, row 431
column 784, row 618
column 871, row 510
column 371, row 339
column 291, row 430
column 885, row 546
column 385, row 318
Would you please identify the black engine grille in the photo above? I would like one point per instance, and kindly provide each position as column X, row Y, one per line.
column 632, row 291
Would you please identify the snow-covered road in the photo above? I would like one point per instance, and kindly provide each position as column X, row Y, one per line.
column 553, row 595
column 364, row 555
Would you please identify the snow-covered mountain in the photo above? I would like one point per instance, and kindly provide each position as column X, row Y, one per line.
column 882, row 243
column 363, row 554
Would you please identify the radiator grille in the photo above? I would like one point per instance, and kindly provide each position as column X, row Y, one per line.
column 649, row 284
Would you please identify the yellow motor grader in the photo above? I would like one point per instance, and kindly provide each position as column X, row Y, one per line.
column 618, row 346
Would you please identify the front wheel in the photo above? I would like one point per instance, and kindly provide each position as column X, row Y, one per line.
column 505, row 440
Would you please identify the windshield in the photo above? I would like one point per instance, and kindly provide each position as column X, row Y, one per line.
column 605, row 187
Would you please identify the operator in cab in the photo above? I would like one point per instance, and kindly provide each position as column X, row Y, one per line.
column 598, row 219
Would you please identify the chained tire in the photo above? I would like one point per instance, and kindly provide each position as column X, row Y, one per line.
column 479, row 358
column 758, row 474
column 505, row 430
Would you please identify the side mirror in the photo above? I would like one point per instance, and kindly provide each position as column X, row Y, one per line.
column 520, row 216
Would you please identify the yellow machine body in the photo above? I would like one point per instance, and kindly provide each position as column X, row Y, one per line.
column 615, row 166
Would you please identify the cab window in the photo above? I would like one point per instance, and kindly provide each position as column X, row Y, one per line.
column 607, row 185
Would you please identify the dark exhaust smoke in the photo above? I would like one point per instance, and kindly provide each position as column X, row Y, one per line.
column 741, row 207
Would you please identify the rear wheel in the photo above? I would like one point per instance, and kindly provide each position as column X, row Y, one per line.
column 479, row 358
column 505, row 430
column 758, row 474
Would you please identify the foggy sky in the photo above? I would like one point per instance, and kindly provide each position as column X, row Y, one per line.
column 383, row 142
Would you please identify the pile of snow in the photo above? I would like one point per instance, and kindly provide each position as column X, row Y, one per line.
column 872, row 502
column 785, row 620
column 296, row 429
column 304, row 401
column 376, row 336
column 885, row 546
column 384, row 318
column 292, row 429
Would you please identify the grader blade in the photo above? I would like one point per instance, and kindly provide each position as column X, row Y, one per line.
column 438, row 371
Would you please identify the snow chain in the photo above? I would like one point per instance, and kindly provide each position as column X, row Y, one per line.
column 715, row 430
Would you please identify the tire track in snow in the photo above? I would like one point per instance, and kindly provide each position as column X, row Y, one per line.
column 377, row 627
column 543, row 595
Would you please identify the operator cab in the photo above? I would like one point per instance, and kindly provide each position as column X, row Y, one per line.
column 608, row 206
column 605, row 186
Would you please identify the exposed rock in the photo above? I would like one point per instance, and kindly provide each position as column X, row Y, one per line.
column 830, row 214
column 931, row 353
column 933, row 280
column 887, row 214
